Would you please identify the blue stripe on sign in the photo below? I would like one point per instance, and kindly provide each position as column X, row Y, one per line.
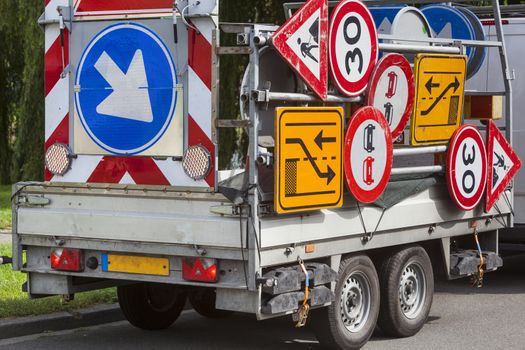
column 104, row 258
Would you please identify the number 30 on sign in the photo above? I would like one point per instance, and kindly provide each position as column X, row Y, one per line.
column 352, row 47
column 467, row 167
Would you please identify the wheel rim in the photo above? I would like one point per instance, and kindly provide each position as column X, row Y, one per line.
column 412, row 290
column 355, row 301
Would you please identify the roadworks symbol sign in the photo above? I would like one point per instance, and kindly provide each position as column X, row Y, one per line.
column 440, row 85
column 309, row 162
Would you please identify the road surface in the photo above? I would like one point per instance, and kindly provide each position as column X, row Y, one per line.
column 462, row 317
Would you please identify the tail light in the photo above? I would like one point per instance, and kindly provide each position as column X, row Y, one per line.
column 64, row 259
column 199, row 269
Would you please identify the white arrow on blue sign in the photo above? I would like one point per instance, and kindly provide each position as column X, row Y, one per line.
column 126, row 89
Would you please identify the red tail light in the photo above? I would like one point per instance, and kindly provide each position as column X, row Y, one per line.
column 199, row 269
column 63, row 259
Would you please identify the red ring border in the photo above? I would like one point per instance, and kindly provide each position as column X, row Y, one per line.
column 360, row 116
column 394, row 59
column 463, row 132
column 355, row 6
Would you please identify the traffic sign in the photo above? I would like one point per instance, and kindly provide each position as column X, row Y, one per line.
column 479, row 52
column 440, row 82
column 503, row 164
column 353, row 47
column 368, row 154
column 392, row 90
column 301, row 41
column 126, row 94
column 467, row 167
column 309, row 166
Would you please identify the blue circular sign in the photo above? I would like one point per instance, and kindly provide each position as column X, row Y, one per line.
column 125, row 89
column 448, row 22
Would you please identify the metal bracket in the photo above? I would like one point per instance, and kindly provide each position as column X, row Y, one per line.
column 234, row 50
column 33, row 201
column 232, row 123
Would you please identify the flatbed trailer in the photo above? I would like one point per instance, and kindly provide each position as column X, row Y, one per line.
column 222, row 245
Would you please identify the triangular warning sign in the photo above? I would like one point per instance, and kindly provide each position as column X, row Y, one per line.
column 302, row 42
column 503, row 164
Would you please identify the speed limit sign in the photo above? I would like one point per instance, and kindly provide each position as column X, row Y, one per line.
column 353, row 47
column 467, row 167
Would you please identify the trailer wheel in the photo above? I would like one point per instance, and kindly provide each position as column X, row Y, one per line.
column 151, row 306
column 407, row 290
column 350, row 320
column 203, row 301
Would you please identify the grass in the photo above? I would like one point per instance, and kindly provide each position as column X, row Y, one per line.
column 15, row 303
column 5, row 207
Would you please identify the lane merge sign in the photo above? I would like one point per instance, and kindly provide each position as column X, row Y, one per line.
column 392, row 90
column 368, row 154
column 353, row 47
column 440, row 82
column 503, row 164
column 309, row 165
column 302, row 42
column 467, row 167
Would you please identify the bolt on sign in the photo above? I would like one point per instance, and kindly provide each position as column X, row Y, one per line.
column 440, row 86
column 309, row 165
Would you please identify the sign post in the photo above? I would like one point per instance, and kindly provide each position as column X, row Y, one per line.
column 440, row 82
column 503, row 164
column 353, row 48
column 368, row 154
column 309, row 165
column 301, row 41
column 467, row 167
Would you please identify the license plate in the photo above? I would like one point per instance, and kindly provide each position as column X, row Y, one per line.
column 135, row 264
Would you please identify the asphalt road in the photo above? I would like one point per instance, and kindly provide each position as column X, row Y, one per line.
column 461, row 318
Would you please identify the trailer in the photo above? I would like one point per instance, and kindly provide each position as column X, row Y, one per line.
column 133, row 196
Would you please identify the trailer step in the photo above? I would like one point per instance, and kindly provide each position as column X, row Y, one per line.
column 290, row 279
column 289, row 302
column 466, row 262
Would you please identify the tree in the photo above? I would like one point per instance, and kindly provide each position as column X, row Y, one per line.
column 233, row 67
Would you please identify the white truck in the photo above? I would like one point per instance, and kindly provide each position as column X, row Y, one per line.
column 133, row 197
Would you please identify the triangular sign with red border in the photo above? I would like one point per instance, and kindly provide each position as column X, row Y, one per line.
column 503, row 164
column 302, row 42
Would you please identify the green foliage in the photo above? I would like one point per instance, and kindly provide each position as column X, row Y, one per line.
column 233, row 67
column 5, row 207
column 15, row 303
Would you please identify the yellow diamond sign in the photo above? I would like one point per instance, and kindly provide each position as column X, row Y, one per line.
column 309, row 164
column 440, row 86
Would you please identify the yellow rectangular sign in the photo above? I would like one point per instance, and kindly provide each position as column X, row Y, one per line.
column 440, row 86
column 309, row 164
column 136, row 265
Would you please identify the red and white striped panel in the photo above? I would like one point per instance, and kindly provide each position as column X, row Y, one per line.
column 111, row 8
column 129, row 170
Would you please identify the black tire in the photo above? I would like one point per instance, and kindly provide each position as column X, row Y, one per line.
column 203, row 301
column 151, row 306
column 334, row 326
column 407, row 290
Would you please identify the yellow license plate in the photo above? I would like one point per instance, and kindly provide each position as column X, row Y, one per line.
column 136, row 264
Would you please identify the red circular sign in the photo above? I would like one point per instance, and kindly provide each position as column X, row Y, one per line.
column 353, row 46
column 467, row 167
column 392, row 90
column 368, row 154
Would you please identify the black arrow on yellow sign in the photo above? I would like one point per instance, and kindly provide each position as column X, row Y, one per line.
column 329, row 175
column 430, row 85
column 454, row 84
column 319, row 140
